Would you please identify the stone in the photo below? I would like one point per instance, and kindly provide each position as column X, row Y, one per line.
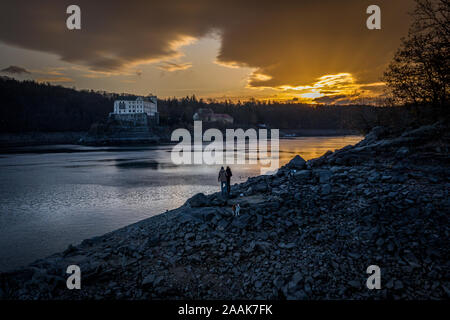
column 296, row 278
column 222, row 224
column 189, row 236
column 199, row 200
column 297, row 163
column 241, row 221
column 403, row 151
column 278, row 282
column 70, row 250
column 354, row 255
column 324, row 175
column 398, row 285
column 376, row 132
column 158, row 281
column 260, row 187
column 302, row 174
column 355, row 284
column 148, row 280
column 286, row 245
column 326, row 189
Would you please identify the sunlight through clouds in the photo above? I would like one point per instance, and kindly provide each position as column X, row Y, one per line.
column 341, row 85
column 239, row 50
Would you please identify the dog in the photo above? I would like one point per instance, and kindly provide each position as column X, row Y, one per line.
column 236, row 208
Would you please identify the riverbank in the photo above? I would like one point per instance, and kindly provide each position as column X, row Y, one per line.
column 286, row 133
column 308, row 232
column 8, row 141
column 11, row 140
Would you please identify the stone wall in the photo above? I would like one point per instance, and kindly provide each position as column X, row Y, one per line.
column 131, row 120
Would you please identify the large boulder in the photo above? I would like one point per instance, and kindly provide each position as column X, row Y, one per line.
column 425, row 131
column 326, row 189
column 374, row 135
column 217, row 200
column 302, row 175
column 241, row 222
column 260, row 187
column 297, row 163
column 199, row 200
column 198, row 214
column 324, row 175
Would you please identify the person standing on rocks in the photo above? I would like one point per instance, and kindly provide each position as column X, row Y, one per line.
column 229, row 175
column 223, row 181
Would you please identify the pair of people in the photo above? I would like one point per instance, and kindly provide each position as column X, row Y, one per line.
column 225, row 181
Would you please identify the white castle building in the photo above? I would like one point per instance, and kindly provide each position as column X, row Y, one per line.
column 148, row 105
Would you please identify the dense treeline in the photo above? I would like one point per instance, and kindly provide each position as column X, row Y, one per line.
column 29, row 106
column 278, row 115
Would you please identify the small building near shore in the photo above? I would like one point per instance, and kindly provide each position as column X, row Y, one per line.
column 208, row 115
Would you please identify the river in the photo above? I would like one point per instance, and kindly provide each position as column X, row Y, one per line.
column 54, row 196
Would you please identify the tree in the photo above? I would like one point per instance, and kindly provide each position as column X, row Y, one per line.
column 419, row 72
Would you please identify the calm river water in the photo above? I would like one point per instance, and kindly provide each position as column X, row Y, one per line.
column 54, row 196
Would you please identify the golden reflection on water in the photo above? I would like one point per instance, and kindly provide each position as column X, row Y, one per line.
column 313, row 147
column 257, row 162
column 307, row 147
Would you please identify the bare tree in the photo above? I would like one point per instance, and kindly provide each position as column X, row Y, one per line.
column 419, row 72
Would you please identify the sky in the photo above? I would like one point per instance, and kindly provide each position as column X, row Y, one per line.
column 304, row 50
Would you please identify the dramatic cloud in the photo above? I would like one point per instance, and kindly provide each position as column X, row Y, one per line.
column 172, row 66
column 15, row 70
column 290, row 44
column 330, row 99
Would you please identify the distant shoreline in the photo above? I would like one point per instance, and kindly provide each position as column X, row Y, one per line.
column 30, row 139
column 295, row 133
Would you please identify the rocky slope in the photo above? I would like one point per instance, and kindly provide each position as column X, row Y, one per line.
column 308, row 232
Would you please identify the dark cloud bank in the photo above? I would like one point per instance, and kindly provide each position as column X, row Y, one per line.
column 292, row 42
column 15, row 70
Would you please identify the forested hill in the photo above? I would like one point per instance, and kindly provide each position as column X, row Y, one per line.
column 28, row 106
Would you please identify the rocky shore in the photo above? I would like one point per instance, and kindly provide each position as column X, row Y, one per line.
column 307, row 232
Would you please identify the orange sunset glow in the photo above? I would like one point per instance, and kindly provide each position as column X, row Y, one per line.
column 213, row 49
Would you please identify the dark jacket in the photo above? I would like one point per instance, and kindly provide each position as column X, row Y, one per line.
column 222, row 176
column 229, row 174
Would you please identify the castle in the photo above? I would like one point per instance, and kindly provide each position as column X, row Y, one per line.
column 140, row 111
